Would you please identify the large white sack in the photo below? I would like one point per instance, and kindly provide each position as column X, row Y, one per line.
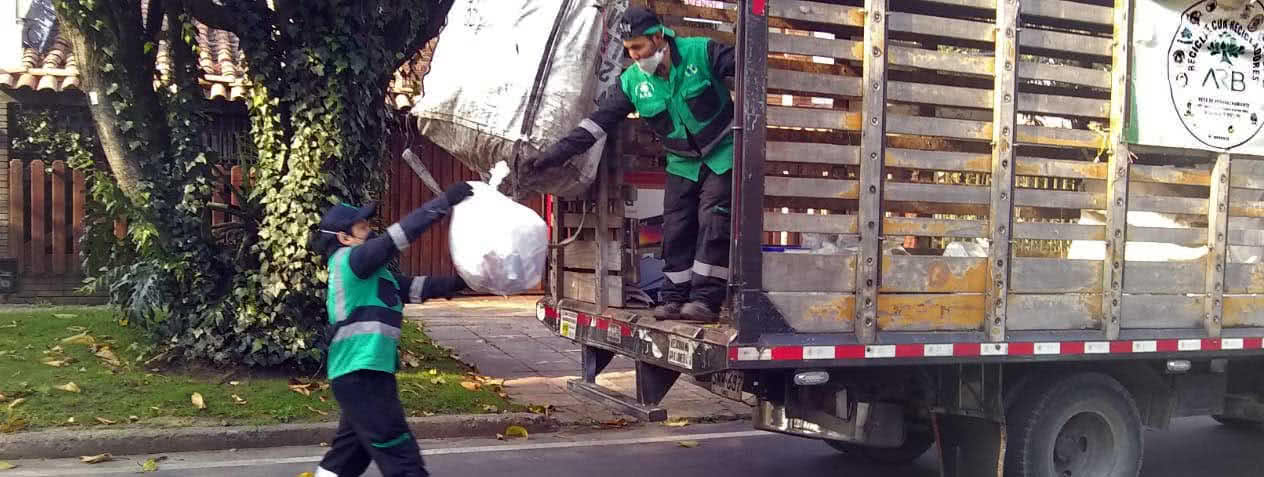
column 498, row 246
column 488, row 63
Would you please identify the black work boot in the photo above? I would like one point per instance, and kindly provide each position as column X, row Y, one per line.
column 699, row 311
column 668, row 311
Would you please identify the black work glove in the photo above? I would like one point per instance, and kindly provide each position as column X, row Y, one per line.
column 457, row 193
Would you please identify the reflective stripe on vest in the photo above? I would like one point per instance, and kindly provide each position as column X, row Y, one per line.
column 364, row 328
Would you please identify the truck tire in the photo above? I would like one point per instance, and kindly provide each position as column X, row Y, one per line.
column 915, row 444
column 1073, row 425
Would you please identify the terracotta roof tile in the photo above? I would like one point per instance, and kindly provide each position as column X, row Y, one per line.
column 219, row 57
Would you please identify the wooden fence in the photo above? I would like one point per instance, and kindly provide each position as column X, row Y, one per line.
column 47, row 202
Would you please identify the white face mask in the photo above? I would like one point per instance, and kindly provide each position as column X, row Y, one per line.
column 650, row 64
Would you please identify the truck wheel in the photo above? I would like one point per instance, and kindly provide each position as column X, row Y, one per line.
column 1074, row 425
column 915, row 444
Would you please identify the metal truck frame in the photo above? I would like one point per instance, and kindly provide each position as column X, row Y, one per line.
column 1013, row 364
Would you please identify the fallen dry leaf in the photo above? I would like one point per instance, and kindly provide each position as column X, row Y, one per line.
column 301, row 389
column 614, row 423
column 490, row 408
column 81, row 339
column 410, row 360
column 234, row 383
column 3, row 398
column 433, row 372
column 64, row 315
column 12, row 324
column 96, row 459
column 427, row 413
column 5, row 465
column 198, row 402
column 238, row 400
column 133, row 418
column 323, row 399
column 105, row 421
column 470, row 385
column 71, row 420
column 57, row 363
column 677, row 422
column 150, row 465
column 306, row 474
column 500, row 437
column 16, row 402
column 317, row 411
column 155, row 408
column 54, row 350
column 109, row 357
column 688, row 444
column 516, row 431
column 70, row 387
column 439, row 380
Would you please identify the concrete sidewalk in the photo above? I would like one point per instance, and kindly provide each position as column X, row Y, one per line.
column 503, row 339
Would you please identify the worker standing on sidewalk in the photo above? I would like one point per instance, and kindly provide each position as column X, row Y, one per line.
column 677, row 86
column 365, row 306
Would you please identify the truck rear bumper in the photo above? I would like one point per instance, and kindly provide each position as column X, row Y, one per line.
column 688, row 348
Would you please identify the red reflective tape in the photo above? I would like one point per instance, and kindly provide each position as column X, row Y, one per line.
column 1212, row 344
column 1167, row 346
column 1253, row 343
column 1120, row 347
column 965, row 349
column 759, row 7
column 787, row 353
column 909, row 351
column 732, row 352
column 1022, row 348
column 1072, row 347
column 849, row 352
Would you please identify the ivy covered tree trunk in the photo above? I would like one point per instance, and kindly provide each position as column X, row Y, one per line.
column 252, row 291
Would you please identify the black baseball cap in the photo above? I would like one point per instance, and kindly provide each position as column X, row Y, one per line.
column 640, row 21
column 341, row 217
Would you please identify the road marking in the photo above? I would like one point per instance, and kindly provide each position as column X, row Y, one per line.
column 166, row 466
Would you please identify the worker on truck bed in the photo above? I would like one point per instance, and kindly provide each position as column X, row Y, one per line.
column 365, row 305
column 677, row 86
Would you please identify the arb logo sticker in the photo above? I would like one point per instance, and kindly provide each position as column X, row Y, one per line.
column 1214, row 71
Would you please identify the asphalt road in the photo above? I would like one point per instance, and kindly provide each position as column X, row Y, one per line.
column 1191, row 447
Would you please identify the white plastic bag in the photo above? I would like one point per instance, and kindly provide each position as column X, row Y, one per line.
column 498, row 246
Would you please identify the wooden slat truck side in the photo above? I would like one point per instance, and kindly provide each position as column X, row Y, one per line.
column 944, row 232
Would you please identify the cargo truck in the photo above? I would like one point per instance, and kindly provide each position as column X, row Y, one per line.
column 962, row 222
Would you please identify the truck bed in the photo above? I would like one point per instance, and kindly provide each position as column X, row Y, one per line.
column 863, row 170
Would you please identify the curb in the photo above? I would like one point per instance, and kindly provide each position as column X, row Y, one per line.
column 61, row 444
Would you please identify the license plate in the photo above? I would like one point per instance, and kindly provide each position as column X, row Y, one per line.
column 569, row 324
column 728, row 384
column 680, row 352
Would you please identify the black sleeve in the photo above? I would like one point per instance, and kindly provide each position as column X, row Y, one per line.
column 720, row 56
column 612, row 109
column 378, row 251
column 421, row 288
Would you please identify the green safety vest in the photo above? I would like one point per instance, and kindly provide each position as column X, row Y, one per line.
column 365, row 316
column 690, row 111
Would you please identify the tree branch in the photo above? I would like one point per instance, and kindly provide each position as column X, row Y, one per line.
column 153, row 23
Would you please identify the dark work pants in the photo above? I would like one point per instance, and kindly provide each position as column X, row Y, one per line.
column 696, row 217
column 372, row 428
